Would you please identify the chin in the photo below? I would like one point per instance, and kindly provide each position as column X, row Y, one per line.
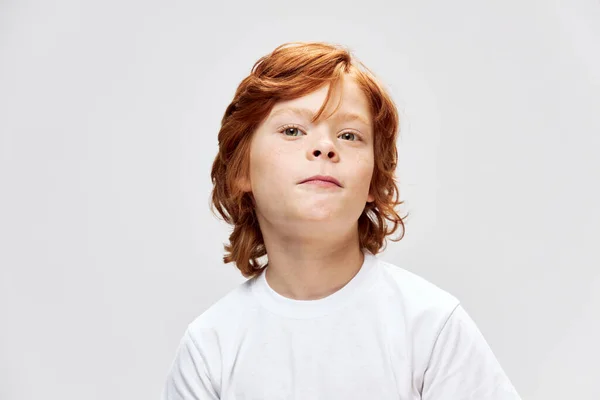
column 315, row 217
column 314, row 228
column 318, row 212
column 320, row 221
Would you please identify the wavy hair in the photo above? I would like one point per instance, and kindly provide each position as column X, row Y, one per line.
column 290, row 71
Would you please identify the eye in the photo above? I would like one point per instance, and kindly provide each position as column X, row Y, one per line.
column 293, row 130
column 352, row 134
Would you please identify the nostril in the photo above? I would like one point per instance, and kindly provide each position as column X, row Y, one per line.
column 317, row 153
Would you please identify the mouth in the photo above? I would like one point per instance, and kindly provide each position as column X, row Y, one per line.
column 322, row 180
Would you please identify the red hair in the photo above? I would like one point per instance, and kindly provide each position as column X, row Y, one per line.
column 290, row 71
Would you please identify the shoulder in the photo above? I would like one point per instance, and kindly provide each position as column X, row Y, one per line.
column 415, row 291
column 416, row 310
column 198, row 362
column 223, row 315
column 424, row 307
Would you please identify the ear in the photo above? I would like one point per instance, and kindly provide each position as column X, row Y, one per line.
column 370, row 198
column 243, row 183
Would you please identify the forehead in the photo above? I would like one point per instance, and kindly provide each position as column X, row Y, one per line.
column 353, row 104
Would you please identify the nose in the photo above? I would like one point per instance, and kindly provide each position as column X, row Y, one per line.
column 324, row 149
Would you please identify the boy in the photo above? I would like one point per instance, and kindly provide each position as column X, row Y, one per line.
column 305, row 174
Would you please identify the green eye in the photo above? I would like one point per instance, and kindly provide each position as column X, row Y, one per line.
column 293, row 130
column 350, row 133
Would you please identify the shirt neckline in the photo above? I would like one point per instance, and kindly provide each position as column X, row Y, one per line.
column 293, row 308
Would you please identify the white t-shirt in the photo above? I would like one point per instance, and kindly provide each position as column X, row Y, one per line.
column 387, row 334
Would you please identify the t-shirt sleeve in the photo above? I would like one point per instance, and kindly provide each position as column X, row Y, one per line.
column 188, row 378
column 462, row 365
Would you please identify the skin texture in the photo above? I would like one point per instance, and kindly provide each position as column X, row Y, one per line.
column 311, row 231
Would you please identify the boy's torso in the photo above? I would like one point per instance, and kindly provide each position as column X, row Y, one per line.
column 376, row 347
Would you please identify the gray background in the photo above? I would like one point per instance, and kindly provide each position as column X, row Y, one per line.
column 109, row 113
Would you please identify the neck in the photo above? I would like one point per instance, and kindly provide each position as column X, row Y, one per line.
column 311, row 269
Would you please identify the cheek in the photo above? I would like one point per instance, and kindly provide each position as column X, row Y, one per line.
column 269, row 164
column 364, row 168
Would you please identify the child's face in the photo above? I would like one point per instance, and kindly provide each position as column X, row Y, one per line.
column 287, row 149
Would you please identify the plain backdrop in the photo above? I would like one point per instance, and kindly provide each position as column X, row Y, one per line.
column 109, row 113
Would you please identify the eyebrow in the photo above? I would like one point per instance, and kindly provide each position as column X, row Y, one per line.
column 304, row 112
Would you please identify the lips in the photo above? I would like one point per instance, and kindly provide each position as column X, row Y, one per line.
column 325, row 178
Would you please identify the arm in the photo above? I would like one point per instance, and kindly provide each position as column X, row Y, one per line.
column 462, row 365
column 188, row 378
